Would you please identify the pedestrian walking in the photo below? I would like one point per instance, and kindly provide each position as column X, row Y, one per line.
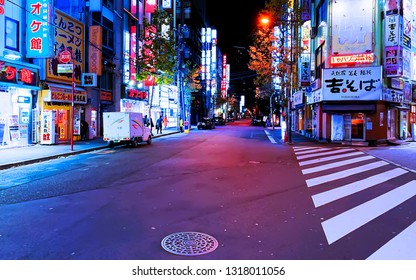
column 159, row 124
column 146, row 121
column 151, row 126
column 180, row 125
column 165, row 121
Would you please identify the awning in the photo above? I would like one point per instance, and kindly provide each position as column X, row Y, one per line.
column 63, row 93
column 338, row 108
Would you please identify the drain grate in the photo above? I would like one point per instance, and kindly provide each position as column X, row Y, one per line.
column 189, row 243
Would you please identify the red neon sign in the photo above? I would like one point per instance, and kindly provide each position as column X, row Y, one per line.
column 362, row 58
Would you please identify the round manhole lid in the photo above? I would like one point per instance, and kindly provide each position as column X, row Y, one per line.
column 189, row 243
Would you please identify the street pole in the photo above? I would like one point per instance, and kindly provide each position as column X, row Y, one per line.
column 72, row 108
column 271, row 110
column 289, row 117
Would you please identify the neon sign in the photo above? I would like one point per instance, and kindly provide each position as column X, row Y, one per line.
column 39, row 31
column 363, row 58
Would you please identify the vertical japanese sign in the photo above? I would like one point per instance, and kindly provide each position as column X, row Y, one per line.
column 96, row 40
column 133, row 53
column 150, row 6
column 407, row 24
column 167, row 4
column 393, row 65
column 39, row 30
column 69, row 36
column 391, row 31
column 305, row 69
column 361, row 83
column 352, row 26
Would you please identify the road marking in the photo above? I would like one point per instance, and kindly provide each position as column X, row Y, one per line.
column 346, row 222
column 325, row 153
column 401, row 247
column 345, row 173
column 335, row 164
column 312, row 151
column 302, row 148
column 270, row 137
column 349, row 189
column 319, row 160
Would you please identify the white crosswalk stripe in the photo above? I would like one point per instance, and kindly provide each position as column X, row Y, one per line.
column 401, row 247
column 348, row 221
column 346, row 190
column 317, row 163
column 335, row 164
column 345, row 173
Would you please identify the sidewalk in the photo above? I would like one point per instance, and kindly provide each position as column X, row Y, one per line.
column 15, row 156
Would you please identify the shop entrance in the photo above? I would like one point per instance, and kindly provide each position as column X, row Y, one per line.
column 348, row 127
column 357, row 126
column 62, row 124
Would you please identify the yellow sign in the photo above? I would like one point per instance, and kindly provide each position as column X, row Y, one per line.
column 69, row 36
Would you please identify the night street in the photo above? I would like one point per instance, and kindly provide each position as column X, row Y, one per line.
column 258, row 199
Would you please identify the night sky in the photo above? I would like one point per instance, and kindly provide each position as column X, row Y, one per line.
column 235, row 22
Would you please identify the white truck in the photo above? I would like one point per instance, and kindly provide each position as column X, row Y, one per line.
column 125, row 127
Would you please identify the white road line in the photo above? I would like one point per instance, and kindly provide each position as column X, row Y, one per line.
column 344, row 223
column 312, row 151
column 349, row 189
column 325, row 153
column 401, row 247
column 319, row 160
column 303, row 148
column 335, row 164
column 270, row 137
column 342, row 174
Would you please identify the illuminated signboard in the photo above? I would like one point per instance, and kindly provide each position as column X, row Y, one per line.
column 2, row 7
column 39, row 30
column 150, row 6
column 364, row 58
column 352, row 83
column 17, row 74
column 69, row 36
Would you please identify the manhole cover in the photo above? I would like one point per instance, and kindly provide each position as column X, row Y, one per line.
column 189, row 243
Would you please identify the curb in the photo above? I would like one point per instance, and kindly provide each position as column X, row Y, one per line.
column 66, row 154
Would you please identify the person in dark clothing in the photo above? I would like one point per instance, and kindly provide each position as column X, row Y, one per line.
column 159, row 124
column 151, row 126
column 84, row 130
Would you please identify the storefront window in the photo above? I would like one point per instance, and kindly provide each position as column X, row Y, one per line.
column 357, row 126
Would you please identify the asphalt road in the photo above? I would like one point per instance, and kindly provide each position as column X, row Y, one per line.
column 231, row 183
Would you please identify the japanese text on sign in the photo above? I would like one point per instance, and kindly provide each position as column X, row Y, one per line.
column 362, row 83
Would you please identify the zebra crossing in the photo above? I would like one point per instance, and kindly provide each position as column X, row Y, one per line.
column 364, row 188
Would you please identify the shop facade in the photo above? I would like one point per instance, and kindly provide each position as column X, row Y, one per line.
column 18, row 88
column 56, row 113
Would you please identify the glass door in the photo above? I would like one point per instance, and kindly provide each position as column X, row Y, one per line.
column 357, row 126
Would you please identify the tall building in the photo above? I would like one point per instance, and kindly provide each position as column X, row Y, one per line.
column 359, row 57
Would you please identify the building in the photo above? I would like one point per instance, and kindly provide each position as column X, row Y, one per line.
column 362, row 83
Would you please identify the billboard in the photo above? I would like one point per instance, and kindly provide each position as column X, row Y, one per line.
column 359, row 83
column 352, row 28
column 69, row 37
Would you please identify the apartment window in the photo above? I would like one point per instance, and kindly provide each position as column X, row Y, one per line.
column 11, row 34
column 108, row 29
column 108, row 33
column 109, row 4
